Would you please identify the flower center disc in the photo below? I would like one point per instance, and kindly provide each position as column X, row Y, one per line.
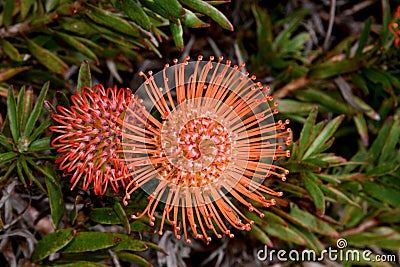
column 197, row 146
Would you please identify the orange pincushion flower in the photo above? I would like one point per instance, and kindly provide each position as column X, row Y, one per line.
column 90, row 137
column 216, row 140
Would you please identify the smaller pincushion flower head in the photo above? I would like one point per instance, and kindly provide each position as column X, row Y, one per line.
column 90, row 138
column 205, row 135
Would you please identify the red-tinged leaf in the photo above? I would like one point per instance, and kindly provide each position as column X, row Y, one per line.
column 47, row 58
column 52, row 243
column 8, row 73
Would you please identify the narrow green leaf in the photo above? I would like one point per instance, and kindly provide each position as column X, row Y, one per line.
column 51, row 4
column 91, row 241
column 82, row 263
column 362, row 42
column 84, row 77
column 25, row 6
column 324, row 136
column 6, row 142
column 12, row 114
column 316, row 194
column 29, row 173
column 177, row 34
column 284, row 233
column 20, row 108
column 290, row 106
column 360, row 82
column 7, row 156
column 19, row 171
column 7, row 73
column 331, row 102
column 256, row 232
column 56, row 200
column 391, row 216
column 37, row 109
column 337, row 194
column 39, row 130
column 51, row 243
column 75, row 43
column 10, row 169
column 40, row 145
column 27, row 108
column 329, row 69
column 11, row 51
column 104, row 216
column 383, row 193
column 191, row 20
column 133, row 258
column 136, row 13
column 122, row 216
column 305, row 140
column 8, row 10
column 172, row 7
column 391, row 141
column 362, row 128
column 106, row 18
column 314, row 223
column 47, row 58
column 207, row 9
column 40, row 169
column 74, row 212
column 128, row 243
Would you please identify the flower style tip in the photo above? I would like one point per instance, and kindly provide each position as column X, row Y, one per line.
column 198, row 135
column 89, row 140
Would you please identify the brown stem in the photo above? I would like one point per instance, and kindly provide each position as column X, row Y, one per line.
column 290, row 87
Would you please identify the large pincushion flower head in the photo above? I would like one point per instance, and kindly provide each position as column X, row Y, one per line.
column 90, row 138
column 205, row 135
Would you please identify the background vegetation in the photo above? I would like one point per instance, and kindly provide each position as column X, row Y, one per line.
column 333, row 67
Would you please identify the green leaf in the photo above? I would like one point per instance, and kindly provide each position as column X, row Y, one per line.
column 75, row 43
column 51, row 4
column 315, row 193
column 177, row 34
column 7, row 156
column 330, row 69
column 25, row 6
column 337, row 194
column 29, row 173
column 12, row 114
column 47, row 58
column 11, row 51
column 8, row 73
column 136, row 13
column 74, row 212
column 105, row 216
column 5, row 142
column 362, row 42
column 324, row 136
column 383, row 193
column 256, row 232
column 39, row 130
column 20, row 107
column 84, row 77
column 122, row 216
column 284, row 233
column 391, row 216
column 37, row 109
column 315, row 224
column 91, row 241
column 52, row 243
column 40, row 145
column 8, row 10
column 128, row 243
column 27, row 108
column 56, row 200
column 172, row 7
column 207, row 9
column 362, row 128
column 305, row 140
column 391, row 142
column 133, row 258
column 191, row 20
column 81, row 264
column 106, row 18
